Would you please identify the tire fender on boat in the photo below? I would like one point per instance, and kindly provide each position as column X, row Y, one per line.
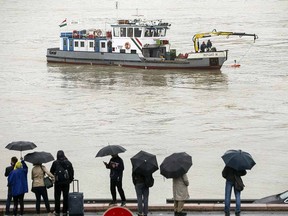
column 127, row 45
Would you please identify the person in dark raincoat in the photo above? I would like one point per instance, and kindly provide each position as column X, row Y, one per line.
column 62, row 183
column 142, row 191
column 116, row 167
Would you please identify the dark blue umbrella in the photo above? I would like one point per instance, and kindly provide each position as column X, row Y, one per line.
column 238, row 160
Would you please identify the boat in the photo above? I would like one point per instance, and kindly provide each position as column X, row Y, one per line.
column 136, row 43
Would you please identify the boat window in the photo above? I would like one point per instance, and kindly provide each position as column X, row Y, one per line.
column 76, row 44
column 82, row 44
column 149, row 32
column 91, row 44
column 129, row 32
column 122, row 32
column 137, row 32
column 159, row 32
column 116, row 32
column 102, row 44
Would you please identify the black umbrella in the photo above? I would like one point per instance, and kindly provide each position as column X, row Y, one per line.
column 238, row 160
column 144, row 163
column 110, row 150
column 39, row 157
column 176, row 165
column 21, row 146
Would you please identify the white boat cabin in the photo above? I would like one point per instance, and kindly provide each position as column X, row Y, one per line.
column 145, row 38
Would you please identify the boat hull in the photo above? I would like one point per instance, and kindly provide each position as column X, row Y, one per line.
column 211, row 60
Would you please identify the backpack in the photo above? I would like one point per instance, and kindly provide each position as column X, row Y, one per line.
column 61, row 174
column 149, row 181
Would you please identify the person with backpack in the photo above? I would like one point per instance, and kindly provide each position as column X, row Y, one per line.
column 63, row 172
column 142, row 184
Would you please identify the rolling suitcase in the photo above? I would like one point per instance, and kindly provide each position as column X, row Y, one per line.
column 76, row 201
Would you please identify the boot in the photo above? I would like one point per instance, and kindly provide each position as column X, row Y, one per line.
column 237, row 213
column 182, row 214
column 227, row 213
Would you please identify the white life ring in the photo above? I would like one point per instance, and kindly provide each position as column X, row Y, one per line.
column 98, row 32
column 127, row 45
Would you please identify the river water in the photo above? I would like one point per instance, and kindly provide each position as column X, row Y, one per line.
column 80, row 109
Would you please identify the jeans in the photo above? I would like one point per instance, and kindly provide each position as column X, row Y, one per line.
column 117, row 183
column 8, row 201
column 41, row 191
column 228, row 190
column 20, row 199
column 64, row 189
column 142, row 192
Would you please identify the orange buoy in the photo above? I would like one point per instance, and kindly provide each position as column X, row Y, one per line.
column 235, row 65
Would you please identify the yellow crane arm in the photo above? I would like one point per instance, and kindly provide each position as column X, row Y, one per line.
column 215, row 33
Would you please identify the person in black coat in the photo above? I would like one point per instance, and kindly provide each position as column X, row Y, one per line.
column 230, row 174
column 59, row 169
column 8, row 170
column 116, row 167
column 142, row 191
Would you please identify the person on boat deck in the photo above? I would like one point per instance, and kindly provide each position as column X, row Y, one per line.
column 203, row 47
column 209, row 44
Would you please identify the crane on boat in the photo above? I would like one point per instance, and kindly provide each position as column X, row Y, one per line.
column 196, row 37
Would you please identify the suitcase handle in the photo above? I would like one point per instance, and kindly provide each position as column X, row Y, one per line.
column 75, row 180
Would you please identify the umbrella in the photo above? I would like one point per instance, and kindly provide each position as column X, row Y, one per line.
column 21, row 146
column 238, row 160
column 39, row 157
column 176, row 165
column 110, row 150
column 144, row 163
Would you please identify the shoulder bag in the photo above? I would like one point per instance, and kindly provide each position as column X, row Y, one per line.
column 239, row 185
column 47, row 180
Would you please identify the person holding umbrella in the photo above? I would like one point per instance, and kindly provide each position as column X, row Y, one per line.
column 236, row 164
column 38, row 187
column 142, row 192
column 176, row 166
column 8, row 170
column 116, row 167
column 180, row 194
column 230, row 175
column 17, row 180
column 143, row 165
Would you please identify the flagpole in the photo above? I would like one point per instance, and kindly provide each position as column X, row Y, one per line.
column 117, row 9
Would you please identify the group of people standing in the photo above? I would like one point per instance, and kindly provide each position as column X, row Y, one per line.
column 142, row 183
column 18, row 186
column 206, row 47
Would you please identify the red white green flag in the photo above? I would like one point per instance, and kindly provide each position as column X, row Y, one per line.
column 64, row 23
